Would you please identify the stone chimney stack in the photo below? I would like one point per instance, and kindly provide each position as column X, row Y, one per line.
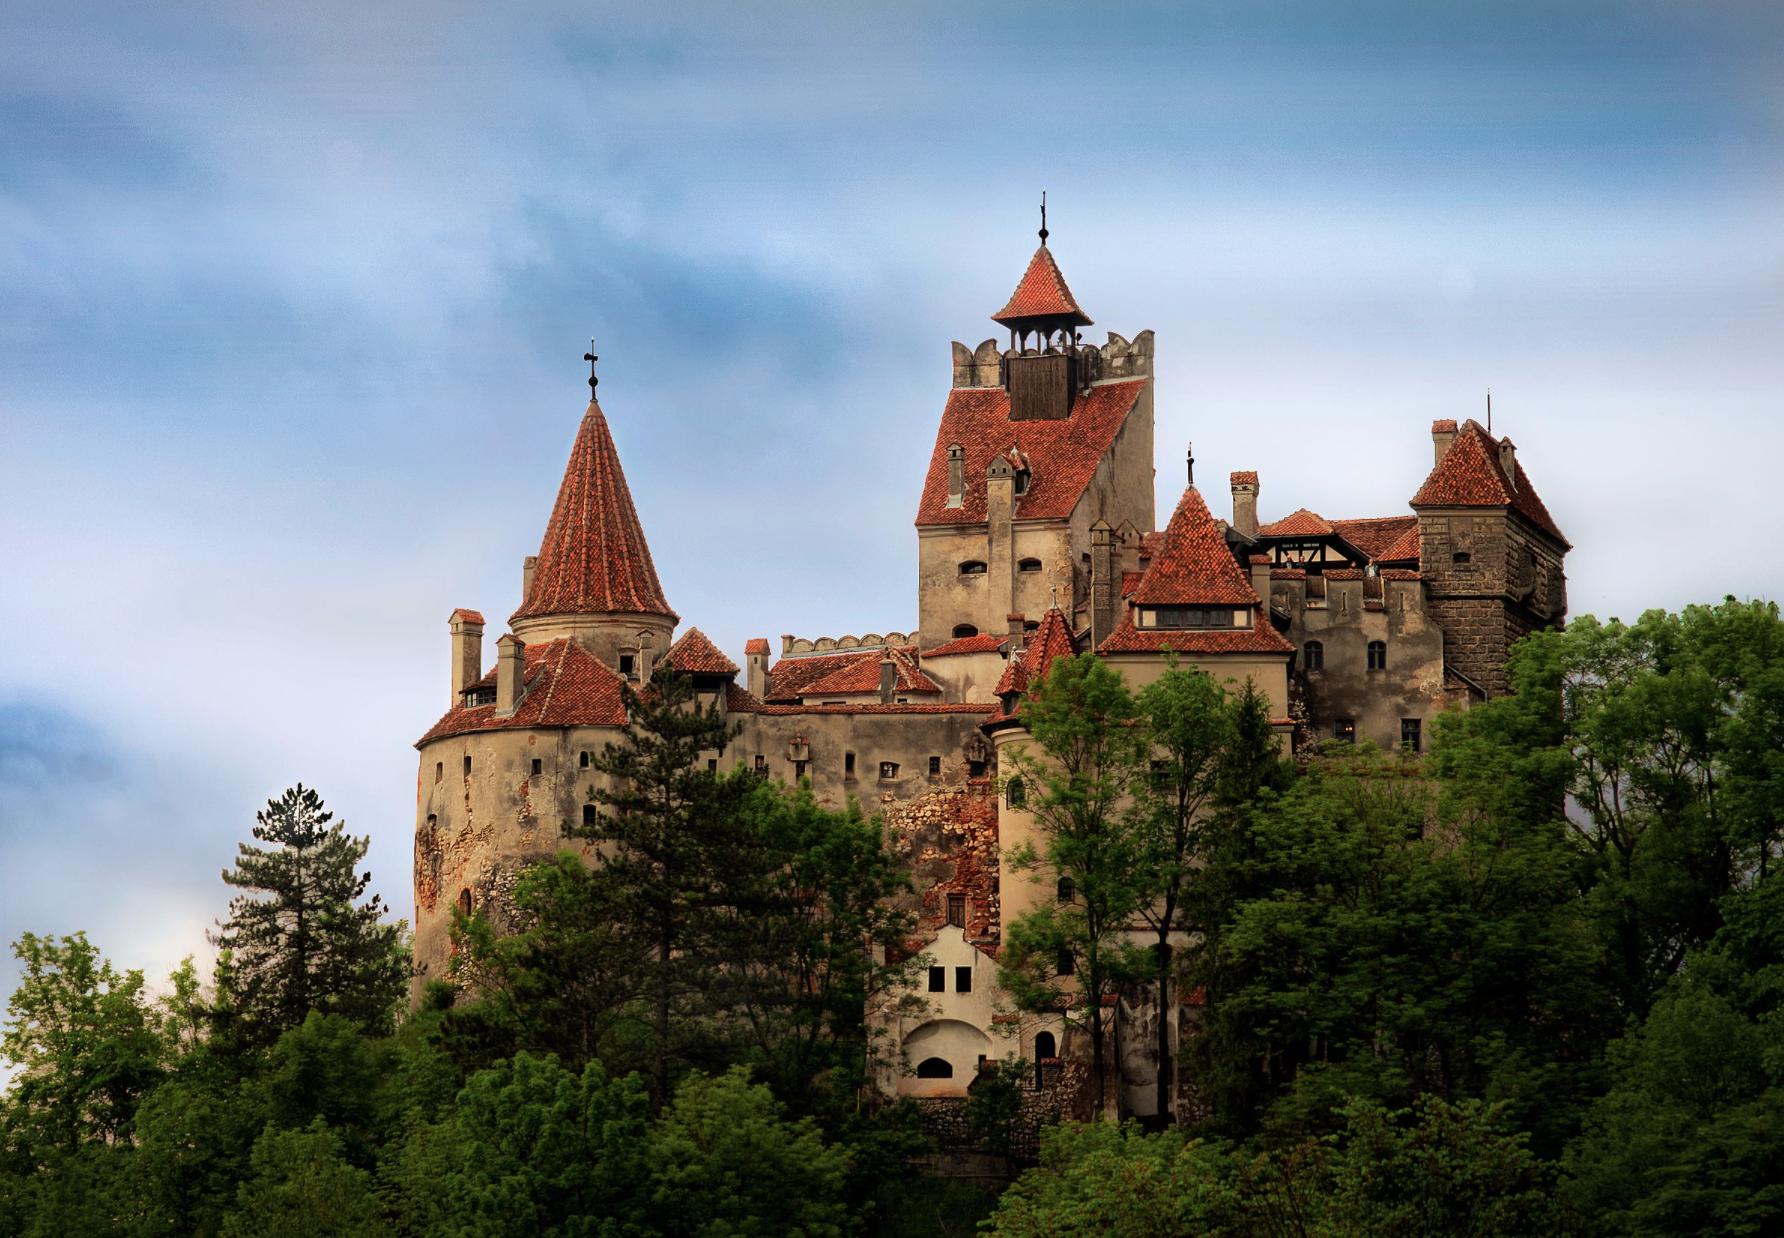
column 755, row 667
column 956, row 475
column 527, row 569
column 510, row 674
column 467, row 651
column 1018, row 632
column 1260, row 583
column 1443, row 435
column 1245, row 489
column 646, row 657
column 888, row 679
column 1103, row 585
column 1508, row 461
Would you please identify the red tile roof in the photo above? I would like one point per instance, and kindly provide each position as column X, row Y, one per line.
column 694, row 654
column 565, row 686
column 862, row 674
column 1376, row 534
column 1302, row 523
column 1064, row 453
column 1405, row 548
column 738, row 701
column 1470, row 475
column 1129, row 582
column 1399, row 573
column 756, row 644
column 1194, row 565
column 461, row 615
column 1244, row 477
column 982, row 643
column 1053, row 639
column 594, row 559
column 1444, row 425
column 1126, row 638
column 1041, row 294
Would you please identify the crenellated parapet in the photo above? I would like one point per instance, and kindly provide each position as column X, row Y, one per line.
column 795, row 646
column 988, row 366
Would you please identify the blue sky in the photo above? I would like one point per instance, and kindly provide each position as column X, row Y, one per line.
column 292, row 299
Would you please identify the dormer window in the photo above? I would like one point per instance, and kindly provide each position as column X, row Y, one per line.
column 973, row 567
column 480, row 695
column 1175, row 617
column 1023, row 476
column 1028, row 565
column 963, row 630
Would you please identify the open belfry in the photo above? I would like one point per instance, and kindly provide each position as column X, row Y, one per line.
column 1037, row 538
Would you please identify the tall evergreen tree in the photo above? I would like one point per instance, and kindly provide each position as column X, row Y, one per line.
column 301, row 939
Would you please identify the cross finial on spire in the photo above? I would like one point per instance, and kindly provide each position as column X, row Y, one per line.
column 590, row 357
column 1043, row 216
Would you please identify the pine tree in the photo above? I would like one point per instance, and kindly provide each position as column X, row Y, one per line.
column 302, row 940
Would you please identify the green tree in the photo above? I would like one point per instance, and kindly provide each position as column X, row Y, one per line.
column 85, row 1044
column 727, row 1164
column 300, row 1186
column 1080, row 718
column 300, row 939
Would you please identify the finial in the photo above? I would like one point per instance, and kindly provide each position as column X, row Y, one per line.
column 1191, row 454
column 590, row 357
column 1489, row 410
column 1043, row 216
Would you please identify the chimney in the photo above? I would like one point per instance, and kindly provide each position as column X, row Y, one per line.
column 1245, row 489
column 1103, row 591
column 526, row 577
column 1260, row 583
column 888, row 678
column 1018, row 629
column 956, row 475
column 1443, row 434
column 1508, row 461
column 755, row 662
column 467, row 651
column 645, row 656
column 510, row 671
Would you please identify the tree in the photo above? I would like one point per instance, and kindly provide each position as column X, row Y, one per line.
column 300, row 1186
column 728, row 1164
column 665, row 826
column 85, row 1044
column 1080, row 717
column 300, row 940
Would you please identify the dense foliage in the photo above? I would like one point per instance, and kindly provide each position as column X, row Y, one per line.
column 1530, row 983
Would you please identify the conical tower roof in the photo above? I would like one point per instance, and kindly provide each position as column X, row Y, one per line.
column 1042, row 298
column 594, row 559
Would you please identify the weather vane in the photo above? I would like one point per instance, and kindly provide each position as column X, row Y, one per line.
column 590, row 357
column 1043, row 216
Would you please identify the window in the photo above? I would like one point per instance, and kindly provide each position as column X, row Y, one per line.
column 588, row 814
column 1461, row 556
column 1022, row 476
column 935, row 767
column 964, row 630
column 1028, row 565
column 848, row 765
column 1409, row 734
column 935, row 1068
column 963, row 980
column 1064, row 964
column 538, row 767
column 938, row 980
column 480, row 696
column 1067, row 891
column 467, row 767
column 1378, row 655
column 712, row 765
column 975, row 769
column 626, row 663
column 439, row 770
column 433, row 821
column 972, row 567
column 1346, row 730
column 888, row 769
column 464, row 900
column 957, row 910
column 1186, row 617
column 1313, row 655
column 798, row 770
column 1045, row 1046
column 583, row 761
column 761, row 764
column 1016, row 793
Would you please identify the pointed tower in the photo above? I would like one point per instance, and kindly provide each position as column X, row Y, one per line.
column 1042, row 376
column 594, row 579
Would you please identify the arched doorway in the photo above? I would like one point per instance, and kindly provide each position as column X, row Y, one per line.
column 1044, row 1047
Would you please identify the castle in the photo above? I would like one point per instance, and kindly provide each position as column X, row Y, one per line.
column 1036, row 538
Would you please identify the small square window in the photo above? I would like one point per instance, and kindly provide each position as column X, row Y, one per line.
column 1346, row 730
column 938, row 980
column 538, row 767
column 761, row 764
column 957, row 910
column 935, row 766
column 626, row 663
column 963, row 980
column 712, row 764
column 975, row 769
column 888, row 769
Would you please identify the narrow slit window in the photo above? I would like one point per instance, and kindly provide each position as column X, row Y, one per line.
column 467, row 767
column 848, row 765
column 439, row 770
column 1016, row 793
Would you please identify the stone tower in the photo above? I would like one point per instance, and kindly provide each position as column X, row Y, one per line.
column 1490, row 553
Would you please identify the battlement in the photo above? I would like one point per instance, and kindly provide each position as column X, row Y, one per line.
column 1119, row 358
column 802, row 646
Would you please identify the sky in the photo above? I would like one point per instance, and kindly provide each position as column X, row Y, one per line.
column 293, row 300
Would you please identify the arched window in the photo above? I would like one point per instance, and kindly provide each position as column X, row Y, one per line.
column 1028, row 565
column 972, row 567
column 964, row 629
column 1045, row 1046
column 935, row 1068
column 1068, row 890
column 1313, row 656
column 1016, row 793
column 1378, row 655
column 464, row 900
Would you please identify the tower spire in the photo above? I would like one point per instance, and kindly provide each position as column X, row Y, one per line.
column 590, row 357
column 1043, row 216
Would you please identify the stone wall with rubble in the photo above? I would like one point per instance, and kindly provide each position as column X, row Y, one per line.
column 1061, row 1094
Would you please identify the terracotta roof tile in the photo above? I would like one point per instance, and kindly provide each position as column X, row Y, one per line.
column 594, row 559
column 1041, row 293
column 1405, row 548
column 1398, row 573
column 1259, row 639
column 1375, row 535
column 1243, row 477
column 1444, row 425
column 1053, row 639
column 1193, row 565
column 461, row 615
column 756, row 644
column 862, row 674
column 1064, row 453
column 1288, row 573
column 565, row 686
column 1302, row 523
column 1470, row 475
column 1129, row 582
column 982, row 643
column 694, row 654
